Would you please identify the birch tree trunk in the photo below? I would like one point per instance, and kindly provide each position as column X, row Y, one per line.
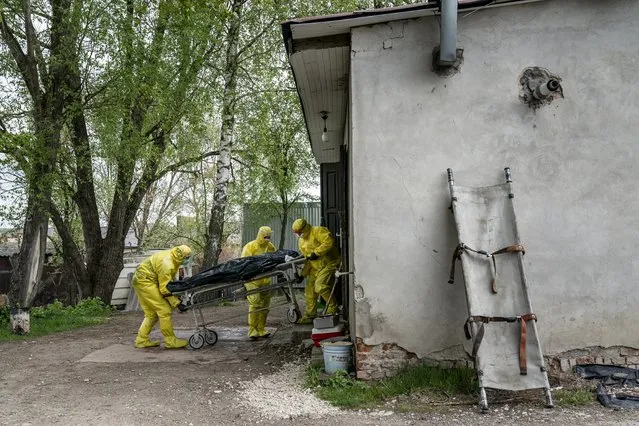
column 283, row 223
column 213, row 246
column 27, row 272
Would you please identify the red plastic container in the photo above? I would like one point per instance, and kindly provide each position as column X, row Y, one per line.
column 319, row 334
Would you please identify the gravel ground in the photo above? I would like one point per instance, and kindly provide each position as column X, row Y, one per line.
column 43, row 382
column 282, row 396
column 278, row 396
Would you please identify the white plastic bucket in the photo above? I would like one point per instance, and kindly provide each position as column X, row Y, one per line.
column 337, row 356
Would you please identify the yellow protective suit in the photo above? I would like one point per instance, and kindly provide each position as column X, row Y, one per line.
column 259, row 303
column 149, row 283
column 317, row 245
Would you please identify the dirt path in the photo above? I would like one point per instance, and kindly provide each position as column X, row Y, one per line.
column 95, row 376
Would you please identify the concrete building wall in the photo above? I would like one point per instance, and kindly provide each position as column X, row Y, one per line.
column 574, row 166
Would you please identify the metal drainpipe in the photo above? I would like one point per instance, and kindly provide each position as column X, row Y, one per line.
column 448, row 32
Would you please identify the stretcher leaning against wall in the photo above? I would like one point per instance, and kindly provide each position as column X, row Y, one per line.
column 501, row 323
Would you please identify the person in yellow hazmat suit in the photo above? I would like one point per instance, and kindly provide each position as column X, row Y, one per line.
column 322, row 260
column 150, row 281
column 259, row 303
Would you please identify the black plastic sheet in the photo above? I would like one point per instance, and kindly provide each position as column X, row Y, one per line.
column 242, row 269
column 618, row 387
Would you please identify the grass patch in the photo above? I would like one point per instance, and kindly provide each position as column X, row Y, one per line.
column 56, row 317
column 573, row 397
column 343, row 391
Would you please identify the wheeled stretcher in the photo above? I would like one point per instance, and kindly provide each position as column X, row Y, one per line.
column 501, row 322
column 282, row 275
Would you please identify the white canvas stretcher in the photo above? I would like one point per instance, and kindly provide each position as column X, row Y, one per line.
column 496, row 290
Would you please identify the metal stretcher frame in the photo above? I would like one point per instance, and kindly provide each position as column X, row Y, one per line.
column 283, row 277
column 501, row 323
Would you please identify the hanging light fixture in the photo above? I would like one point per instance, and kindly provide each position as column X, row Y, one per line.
column 324, row 116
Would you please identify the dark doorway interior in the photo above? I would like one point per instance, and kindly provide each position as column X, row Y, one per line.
column 334, row 193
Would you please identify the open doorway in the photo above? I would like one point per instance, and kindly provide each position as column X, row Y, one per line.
column 334, row 194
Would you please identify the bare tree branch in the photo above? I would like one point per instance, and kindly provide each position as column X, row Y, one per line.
column 255, row 92
column 176, row 166
column 34, row 50
column 90, row 95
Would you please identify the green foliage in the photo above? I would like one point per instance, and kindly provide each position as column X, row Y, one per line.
column 274, row 164
column 56, row 317
column 149, row 91
column 304, row 8
column 136, row 107
column 280, row 167
column 390, row 3
column 12, row 181
column 4, row 316
column 343, row 391
column 573, row 397
column 91, row 307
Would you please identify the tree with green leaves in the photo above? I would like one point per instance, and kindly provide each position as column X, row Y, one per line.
column 154, row 88
column 279, row 168
column 43, row 69
column 253, row 64
column 130, row 78
column 112, row 99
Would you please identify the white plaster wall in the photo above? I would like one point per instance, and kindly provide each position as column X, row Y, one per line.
column 574, row 166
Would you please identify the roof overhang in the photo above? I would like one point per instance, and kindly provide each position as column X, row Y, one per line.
column 318, row 50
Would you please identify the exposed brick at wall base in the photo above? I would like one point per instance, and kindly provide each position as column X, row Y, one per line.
column 449, row 363
column 616, row 355
column 379, row 361
column 383, row 360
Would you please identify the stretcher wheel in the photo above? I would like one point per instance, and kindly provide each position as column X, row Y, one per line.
column 196, row 341
column 210, row 337
column 292, row 315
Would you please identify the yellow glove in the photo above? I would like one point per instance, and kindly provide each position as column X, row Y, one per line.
column 174, row 301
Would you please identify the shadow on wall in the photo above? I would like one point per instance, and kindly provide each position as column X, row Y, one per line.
column 5, row 281
column 56, row 285
column 455, row 293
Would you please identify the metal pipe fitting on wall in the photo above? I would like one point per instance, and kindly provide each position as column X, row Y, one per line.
column 546, row 89
column 539, row 87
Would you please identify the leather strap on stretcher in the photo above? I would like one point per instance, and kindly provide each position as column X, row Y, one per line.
column 523, row 370
column 461, row 247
